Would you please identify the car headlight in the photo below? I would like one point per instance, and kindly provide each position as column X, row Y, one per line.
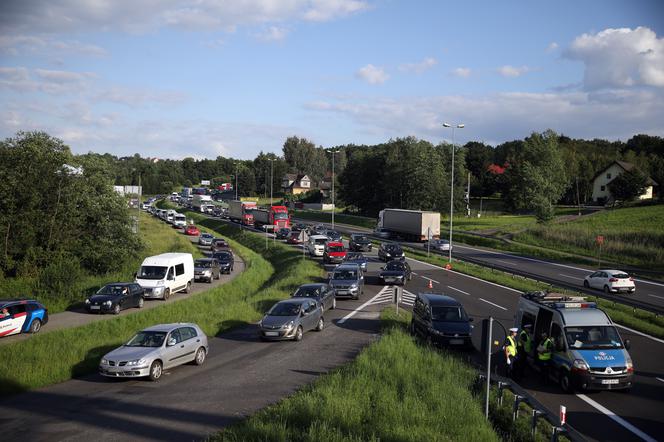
column 160, row 283
column 207, row 272
column 108, row 303
column 104, row 361
column 289, row 325
column 353, row 286
column 136, row 362
column 629, row 366
column 388, row 254
column 87, row 301
column 580, row 364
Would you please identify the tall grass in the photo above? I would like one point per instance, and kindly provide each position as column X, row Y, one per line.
column 632, row 236
column 157, row 237
column 394, row 390
column 57, row 356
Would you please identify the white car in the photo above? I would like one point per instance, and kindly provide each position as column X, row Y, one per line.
column 316, row 245
column 438, row 244
column 611, row 281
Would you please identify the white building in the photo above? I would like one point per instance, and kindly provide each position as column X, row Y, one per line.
column 602, row 180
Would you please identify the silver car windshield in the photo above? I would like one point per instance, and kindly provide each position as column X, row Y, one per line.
column 147, row 339
column 345, row 275
column 284, row 309
column 592, row 337
column 152, row 272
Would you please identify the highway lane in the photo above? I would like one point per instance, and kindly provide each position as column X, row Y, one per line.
column 648, row 292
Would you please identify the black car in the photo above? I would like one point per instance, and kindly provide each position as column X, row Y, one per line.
column 299, row 227
column 389, row 251
column 206, row 269
column 115, row 297
column 226, row 261
column 359, row 243
column 219, row 244
column 396, row 272
column 332, row 235
column 357, row 258
column 318, row 229
column 321, row 292
column 441, row 320
column 282, row 233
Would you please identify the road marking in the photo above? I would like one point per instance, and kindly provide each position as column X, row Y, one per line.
column 661, row 341
column 454, row 288
column 660, row 379
column 489, row 302
column 432, row 280
column 545, row 262
column 570, row 277
column 616, row 418
column 354, row 312
column 655, row 296
column 505, row 262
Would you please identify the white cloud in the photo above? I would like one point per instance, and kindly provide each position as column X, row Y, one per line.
column 552, row 46
column 512, row 71
column 462, row 72
column 372, row 74
column 616, row 58
column 419, row 67
column 21, row 44
column 273, row 33
column 146, row 15
column 135, row 98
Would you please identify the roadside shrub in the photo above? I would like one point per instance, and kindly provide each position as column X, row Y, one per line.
column 61, row 277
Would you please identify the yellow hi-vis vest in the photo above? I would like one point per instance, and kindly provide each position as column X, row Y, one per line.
column 546, row 354
column 511, row 348
column 525, row 340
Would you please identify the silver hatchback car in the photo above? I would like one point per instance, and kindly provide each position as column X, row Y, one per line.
column 155, row 349
column 289, row 319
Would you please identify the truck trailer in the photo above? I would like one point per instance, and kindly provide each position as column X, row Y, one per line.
column 276, row 216
column 241, row 212
column 415, row 225
column 200, row 202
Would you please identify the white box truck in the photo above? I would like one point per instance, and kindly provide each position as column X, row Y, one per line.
column 165, row 274
column 414, row 225
column 200, row 202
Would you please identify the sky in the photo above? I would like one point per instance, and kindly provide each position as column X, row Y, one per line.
column 208, row 78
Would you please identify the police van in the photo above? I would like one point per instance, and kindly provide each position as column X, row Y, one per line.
column 589, row 353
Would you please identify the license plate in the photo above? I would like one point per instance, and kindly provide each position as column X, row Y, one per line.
column 456, row 341
column 271, row 333
column 610, row 381
column 94, row 307
column 342, row 292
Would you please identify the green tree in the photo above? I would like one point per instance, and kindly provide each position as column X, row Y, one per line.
column 628, row 185
column 536, row 176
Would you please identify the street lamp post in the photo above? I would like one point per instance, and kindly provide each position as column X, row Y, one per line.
column 453, row 126
column 271, row 177
column 333, row 206
column 236, row 181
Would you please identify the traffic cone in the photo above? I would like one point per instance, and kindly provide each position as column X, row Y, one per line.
column 430, row 286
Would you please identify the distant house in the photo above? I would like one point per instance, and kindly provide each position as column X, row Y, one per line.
column 295, row 184
column 601, row 181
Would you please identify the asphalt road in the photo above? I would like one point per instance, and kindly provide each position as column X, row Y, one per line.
column 77, row 317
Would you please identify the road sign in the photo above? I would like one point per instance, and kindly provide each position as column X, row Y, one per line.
column 563, row 415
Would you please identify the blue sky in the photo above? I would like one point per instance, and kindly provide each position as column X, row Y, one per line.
column 171, row 78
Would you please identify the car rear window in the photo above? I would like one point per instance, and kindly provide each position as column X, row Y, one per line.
column 621, row 275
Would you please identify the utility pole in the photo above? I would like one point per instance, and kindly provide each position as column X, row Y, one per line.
column 468, row 198
column 453, row 126
column 236, row 181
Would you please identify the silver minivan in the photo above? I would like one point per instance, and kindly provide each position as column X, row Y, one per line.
column 347, row 280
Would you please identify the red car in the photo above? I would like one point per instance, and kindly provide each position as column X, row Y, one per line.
column 334, row 252
column 191, row 230
column 294, row 238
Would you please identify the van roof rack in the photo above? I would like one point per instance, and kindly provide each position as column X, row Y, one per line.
column 559, row 300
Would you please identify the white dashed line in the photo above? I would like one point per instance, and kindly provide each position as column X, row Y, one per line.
column 570, row 277
column 461, row 291
column 505, row 262
column 495, row 305
column 660, row 379
column 610, row 414
column 655, row 296
column 429, row 279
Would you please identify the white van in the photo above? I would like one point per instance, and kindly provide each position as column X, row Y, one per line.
column 316, row 245
column 180, row 220
column 165, row 274
column 170, row 215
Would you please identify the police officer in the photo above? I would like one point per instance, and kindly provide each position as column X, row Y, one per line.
column 544, row 352
column 510, row 351
column 524, row 348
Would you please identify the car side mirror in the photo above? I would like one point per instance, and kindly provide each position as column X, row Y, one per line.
column 171, row 342
column 628, row 344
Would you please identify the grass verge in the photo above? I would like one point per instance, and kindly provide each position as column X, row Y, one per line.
column 62, row 354
column 326, row 217
column 637, row 319
column 394, row 390
column 157, row 238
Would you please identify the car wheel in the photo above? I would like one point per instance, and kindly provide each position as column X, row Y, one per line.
column 564, row 382
column 141, row 303
column 334, row 304
column 116, row 309
column 188, row 288
column 607, row 290
column 321, row 324
column 200, row 356
column 586, row 284
column 167, row 294
column 35, row 326
column 298, row 333
column 156, row 370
